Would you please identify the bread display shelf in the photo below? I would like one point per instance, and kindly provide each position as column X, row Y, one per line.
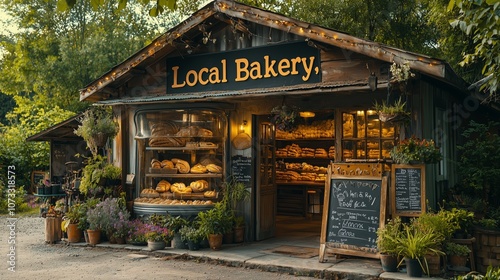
column 302, row 157
column 183, row 148
column 185, row 175
column 174, row 210
column 163, row 170
column 307, row 139
column 301, row 183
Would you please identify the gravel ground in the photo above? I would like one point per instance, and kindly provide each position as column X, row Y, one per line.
column 34, row 259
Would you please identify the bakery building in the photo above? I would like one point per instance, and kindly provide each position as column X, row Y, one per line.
column 216, row 95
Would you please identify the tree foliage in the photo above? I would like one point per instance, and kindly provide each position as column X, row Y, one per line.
column 52, row 55
column 480, row 19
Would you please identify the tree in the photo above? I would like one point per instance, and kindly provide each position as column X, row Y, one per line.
column 481, row 20
column 157, row 7
column 50, row 58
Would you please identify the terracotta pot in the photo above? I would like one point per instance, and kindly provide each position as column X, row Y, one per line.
column 74, row 233
column 120, row 240
column 389, row 262
column 215, row 241
column 94, row 236
column 239, row 234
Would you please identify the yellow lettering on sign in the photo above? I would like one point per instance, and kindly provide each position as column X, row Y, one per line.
column 175, row 84
column 191, row 78
column 241, row 68
column 294, row 65
column 307, row 68
column 200, row 76
column 269, row 68
column 283, row 67
column 255, row 71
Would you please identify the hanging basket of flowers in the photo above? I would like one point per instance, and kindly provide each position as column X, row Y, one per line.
column 284, row 117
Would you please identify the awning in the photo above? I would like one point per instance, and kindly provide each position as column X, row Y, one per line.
column 262, row 92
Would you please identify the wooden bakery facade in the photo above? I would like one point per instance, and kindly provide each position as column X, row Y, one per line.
column 202, row 98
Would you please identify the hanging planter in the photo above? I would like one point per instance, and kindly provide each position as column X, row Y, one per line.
column 284, row 117
column 392, row 113
column 97, row 125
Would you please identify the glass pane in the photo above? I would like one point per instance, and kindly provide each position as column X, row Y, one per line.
column 361, row 149
column 360, row 124
column 387, row 146
column 373, row 124
column 373, row 149
column 348, row 149
column 348, row 125
column 387, row 130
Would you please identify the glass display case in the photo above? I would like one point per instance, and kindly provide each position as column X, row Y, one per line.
column 365, row 136
column 181, row 162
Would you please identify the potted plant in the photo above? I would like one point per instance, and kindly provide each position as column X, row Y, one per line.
column 234, row 193
column 415, row 150
column 97, row 174
column 97, row 125
column 192, row 236
column 137, row 230
column 157, row 237
column 74, row 222
column 392, row 112
column 413, row 245
column 174, row 224
column 387, row 245
column 107, row 214
column 400, row 74
column 457, row 253
column 239, row 229
column 214, row 223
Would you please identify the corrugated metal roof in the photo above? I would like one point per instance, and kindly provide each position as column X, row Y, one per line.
column 199, row 96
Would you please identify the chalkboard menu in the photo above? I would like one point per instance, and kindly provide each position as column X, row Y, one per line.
column 355, row 208
column 241, row 168
column 408, row 190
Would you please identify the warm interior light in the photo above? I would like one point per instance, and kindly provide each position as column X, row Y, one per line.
column 242, row 126
column 307, row 114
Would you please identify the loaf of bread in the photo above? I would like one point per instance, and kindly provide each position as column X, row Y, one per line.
column 167, row 164
column 198, row 169
column 163, row 186
column 181, row 165
column 155, row 163
column 180, row 188
column 213, row 168
column 199, row 186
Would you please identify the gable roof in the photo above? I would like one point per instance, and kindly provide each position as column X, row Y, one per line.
column 225, row 12
column 63, row 131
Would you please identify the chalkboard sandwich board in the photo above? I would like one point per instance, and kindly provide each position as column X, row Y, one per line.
column 408, row 190
column 354, row 210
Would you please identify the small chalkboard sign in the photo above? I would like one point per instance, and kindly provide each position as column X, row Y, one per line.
column 408, row 190
column 241, row 168
column 354, row 210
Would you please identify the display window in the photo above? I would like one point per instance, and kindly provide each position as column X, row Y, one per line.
column 364, row 136
column 180, row 157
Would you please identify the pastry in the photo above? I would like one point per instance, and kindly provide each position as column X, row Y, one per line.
column 209, row 194
column 181, row 165
column 180, row 188
column 163, row 186
column 155, row 163
column 214, row 168
column 167, row 164
column 203, row 132
column 163, row 129
column 149, row 193
column 198, row 169
column 199, row 186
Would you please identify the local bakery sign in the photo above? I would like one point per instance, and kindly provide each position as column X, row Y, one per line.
column 259, row 67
